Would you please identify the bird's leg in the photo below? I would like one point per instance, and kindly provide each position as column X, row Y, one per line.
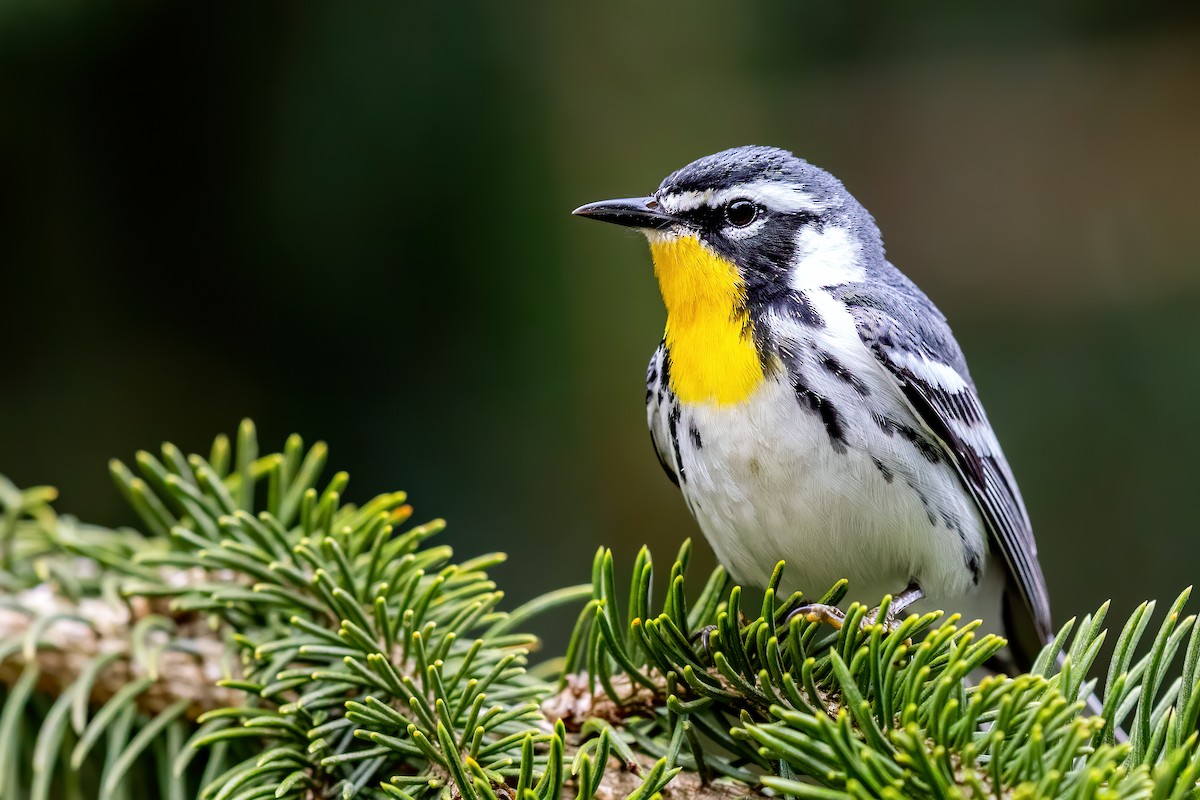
column 900, row 603
column 832, row 615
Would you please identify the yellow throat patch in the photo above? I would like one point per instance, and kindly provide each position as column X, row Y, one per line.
column 713, row 357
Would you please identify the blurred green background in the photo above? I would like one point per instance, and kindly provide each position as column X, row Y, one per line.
column 352, row 221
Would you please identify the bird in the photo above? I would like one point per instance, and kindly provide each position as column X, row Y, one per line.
column 814, row 407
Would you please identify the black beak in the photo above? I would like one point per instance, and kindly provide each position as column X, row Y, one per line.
column 633, row 212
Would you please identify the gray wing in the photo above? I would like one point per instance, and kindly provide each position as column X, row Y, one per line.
column 911, row 338
column 662, row 413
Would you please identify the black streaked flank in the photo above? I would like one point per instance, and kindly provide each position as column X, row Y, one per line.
column 664, row 376
column 884, row 470
column 838, row 370
column 974, row 566
column 673, row 432
column 927, row 448
column 824, row 408
column 651, row 378
column 694, row 435
column 924, row 498
column 656, row 379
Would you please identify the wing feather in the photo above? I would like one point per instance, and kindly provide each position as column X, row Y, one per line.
column 910, row 338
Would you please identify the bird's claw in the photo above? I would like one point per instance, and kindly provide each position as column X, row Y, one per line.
column 705, row 637
column 836, row 618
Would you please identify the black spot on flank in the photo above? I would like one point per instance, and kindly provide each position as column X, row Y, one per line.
column 830, row 416
column 888, row 475
column 973, row 566
column 925, row 504
column 658, row 377
column 838, row 370
column 673, row 431
column 932, row 453
column 951, row 523
column 694, row 434
column 929, row 449
column 656, row 374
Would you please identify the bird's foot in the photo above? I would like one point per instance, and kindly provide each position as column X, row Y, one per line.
column 705, row 637
column 834, row 616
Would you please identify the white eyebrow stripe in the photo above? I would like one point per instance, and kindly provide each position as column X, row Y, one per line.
column 772, row 195
column 685, row 201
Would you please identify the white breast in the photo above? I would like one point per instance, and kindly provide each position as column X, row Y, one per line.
column 766, row 481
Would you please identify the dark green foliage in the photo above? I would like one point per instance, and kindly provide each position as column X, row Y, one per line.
column 262, row 638
column 864, row 714
column 361, row 661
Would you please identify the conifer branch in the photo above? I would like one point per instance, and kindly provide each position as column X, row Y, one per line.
column 260, row 637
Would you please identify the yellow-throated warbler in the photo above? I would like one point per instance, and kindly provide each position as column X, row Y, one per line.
column 813, row 406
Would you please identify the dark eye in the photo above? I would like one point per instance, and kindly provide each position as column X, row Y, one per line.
column 741, row 213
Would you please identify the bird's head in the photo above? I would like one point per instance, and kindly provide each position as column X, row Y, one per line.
column 757, row 215
column 735, row 236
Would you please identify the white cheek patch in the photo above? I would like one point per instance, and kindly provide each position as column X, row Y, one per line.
column 826, row 257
